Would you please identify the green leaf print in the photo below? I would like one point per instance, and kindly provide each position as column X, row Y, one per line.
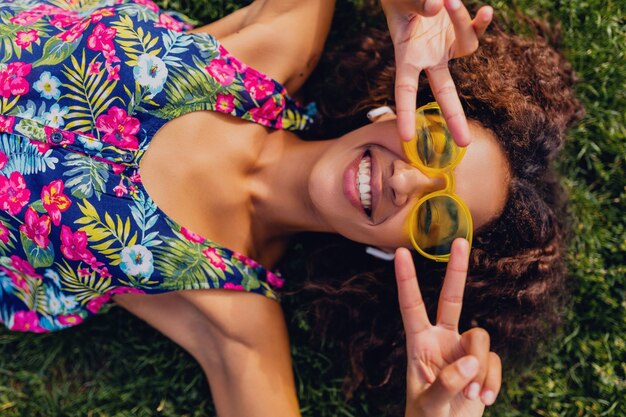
column 7, row 236
column 185, row 266
column 86, row 175
column 85, row 287
column 38, row 257
column 249, row 282
column 134, row 41
column 187, row 88
column 91, row 94
column 110, row 236
column 56, row 50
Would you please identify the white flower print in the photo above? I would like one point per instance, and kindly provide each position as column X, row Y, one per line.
column 150, row 72
column 137, row 260
column 48, row 86
column 54, row 117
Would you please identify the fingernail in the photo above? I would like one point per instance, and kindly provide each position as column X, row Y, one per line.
column 454, row 4
column 468, row 366
column 473, row 391
column 489, row 397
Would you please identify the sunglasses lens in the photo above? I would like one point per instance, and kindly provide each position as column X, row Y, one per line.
column 437, row 222
column 433, row 144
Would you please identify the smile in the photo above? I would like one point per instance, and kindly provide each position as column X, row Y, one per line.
column 363, row 182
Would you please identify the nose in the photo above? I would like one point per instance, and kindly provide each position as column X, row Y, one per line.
column 407, row 181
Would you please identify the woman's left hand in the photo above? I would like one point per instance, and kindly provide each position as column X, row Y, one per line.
column 448, row 374
column 426, row 36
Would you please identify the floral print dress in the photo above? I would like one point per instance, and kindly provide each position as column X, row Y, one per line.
column 84, row 86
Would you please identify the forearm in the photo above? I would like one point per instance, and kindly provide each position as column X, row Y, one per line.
column 248, row 382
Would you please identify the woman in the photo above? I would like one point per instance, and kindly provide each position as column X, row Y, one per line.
column 107, row 83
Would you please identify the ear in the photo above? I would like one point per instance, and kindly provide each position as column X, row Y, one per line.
column 381, row 114
column 380, row 253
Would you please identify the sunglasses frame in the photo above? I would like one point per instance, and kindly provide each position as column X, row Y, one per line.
column 410, row 150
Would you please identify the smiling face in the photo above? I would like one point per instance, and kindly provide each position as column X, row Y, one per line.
column 373, row 208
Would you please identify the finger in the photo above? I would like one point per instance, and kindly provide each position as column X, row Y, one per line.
column 412, row 306
column 445, row 93
column 450, row 381
column 407, row 76
column 466, row 40
column 493, row 380
column 482, row 20
column 476, row 342
column 451, row 297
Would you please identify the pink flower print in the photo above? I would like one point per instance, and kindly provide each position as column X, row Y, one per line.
column 7, row 123
column 68, row 137
column 119, row 128
column 13, row 193
column 65, row 19
column 28, row 17
column 70, row 319
column 125, row 290
column 168, row 22
column 36, row 228
column 84, row 272
column 12, row 81
column 231, row 286
column 120, row 189
column 238, row 65
column 101, row 39
column 94, row 67
column 251, row 263
column 27, row 321
column 4, row 233
column 191, row 236
column 274, row 280
column 100, row 13
column 221, row 71
column 267, row 112
column 113, row 73
column 96, row 304
column 214, row 258
column 149, row 4
column 24, row 267
column 3, row 160
column 54, row 201
column 136, row 178
column 42, row 147
column 225, row 103
column 17, row 279
column 24, row 39
column 104, row 273
column 75, row 32
column 258, row 85
column 74, row 246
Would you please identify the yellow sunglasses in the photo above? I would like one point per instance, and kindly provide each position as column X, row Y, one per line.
column 441, row 216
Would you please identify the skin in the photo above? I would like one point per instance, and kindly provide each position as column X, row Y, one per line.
column 271, row 185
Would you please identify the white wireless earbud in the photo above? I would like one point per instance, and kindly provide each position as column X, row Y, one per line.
column 378, row 111
column 380, row 254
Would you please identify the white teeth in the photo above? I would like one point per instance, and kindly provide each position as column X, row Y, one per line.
column 363, row 182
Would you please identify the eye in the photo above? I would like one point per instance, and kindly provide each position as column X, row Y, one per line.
column 424, row 147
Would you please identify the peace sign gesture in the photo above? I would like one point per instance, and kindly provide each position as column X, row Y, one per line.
column 427, row 34
column 448, row 374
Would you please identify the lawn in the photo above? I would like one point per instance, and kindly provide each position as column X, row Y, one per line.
column 115, row 365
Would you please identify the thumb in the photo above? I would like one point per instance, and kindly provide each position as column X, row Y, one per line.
column 451, row 381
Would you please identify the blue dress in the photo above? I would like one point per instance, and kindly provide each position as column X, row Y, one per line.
column 83, row 90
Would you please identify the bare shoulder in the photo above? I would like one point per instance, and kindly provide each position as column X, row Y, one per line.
column 282, row 39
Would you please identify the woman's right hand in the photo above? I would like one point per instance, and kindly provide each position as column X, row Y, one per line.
column 448, row 374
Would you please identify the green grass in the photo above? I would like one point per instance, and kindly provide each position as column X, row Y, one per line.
column 117, row 366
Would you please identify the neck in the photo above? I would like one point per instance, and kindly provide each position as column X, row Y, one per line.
column 281, row 204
